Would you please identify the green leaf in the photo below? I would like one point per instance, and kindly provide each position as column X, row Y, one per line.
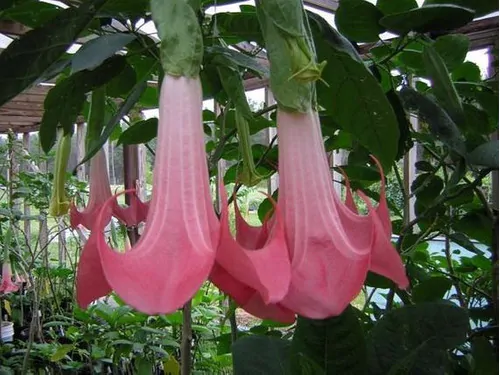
column 71, row 91
column 94, row 52
column 61, row 352
column 467, row 71
column 32, row 13
column 143, row 366
column 125, row 9
column 331, row 346
column 481, row 7
column 453, row 49
column 391, row 6
column 442, row 86
column 96, row 117
column 430, row 18
column 121, row 85
column 427, row 187
column 238, row 27
column 358, row 20
column 114, row 121
column 431, row 289
column 477, row 225
column 440, row 124
column 225, row 55
column 376, row 281
column 485, row 155
column 414, row 338
column 485, row 357
column 354, row 99
column 141, row 132
column 261, row 355
column 28, row 57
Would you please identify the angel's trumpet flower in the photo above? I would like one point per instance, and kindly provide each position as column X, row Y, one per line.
column 177, row 250
column 7, row 286
column 100, row 192
column 331, row 247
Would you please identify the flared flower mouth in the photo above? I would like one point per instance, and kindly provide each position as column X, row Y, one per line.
column 6, row 285
column 177, row 248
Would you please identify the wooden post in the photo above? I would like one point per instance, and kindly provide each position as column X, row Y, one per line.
column 27, row 210
column 130, row 178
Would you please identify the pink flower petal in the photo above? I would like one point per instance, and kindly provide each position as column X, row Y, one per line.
column 91, row 283
column 329, row 244
column 6, row 285
column 100, row 192
column 177, row 250
column 249, row 299
column 265, row 269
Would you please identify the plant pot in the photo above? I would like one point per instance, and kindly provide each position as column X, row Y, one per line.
column 7, row 332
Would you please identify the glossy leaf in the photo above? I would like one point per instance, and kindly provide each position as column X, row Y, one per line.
column 94, row 52
column 261, row 355
column 354, row 98
column 413, row 339
column 442, row 87
column 431, row 289
column 481, row 7
column 440, row 124
column 358, row 20
column 32, row 13
column 28, row 57
column 331, row 346
column 485, row 155
column 477, row 225
column 391, row 6
column 141, row 132
column 71, row 91
column 428, row 19
column 453, row 49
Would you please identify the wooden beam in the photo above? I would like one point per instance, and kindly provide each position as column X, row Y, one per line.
column 12, row 28
column 324, row 5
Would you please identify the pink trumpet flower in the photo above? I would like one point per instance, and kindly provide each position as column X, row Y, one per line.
column 256, row 261
column 100, row 192
column 177, row 250
column 331, row 247
column 7, row 286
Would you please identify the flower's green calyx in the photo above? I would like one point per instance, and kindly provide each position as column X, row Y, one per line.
column 59, row 203
column 182, row 42
column 291, row 52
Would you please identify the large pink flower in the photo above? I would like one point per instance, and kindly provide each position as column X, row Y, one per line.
column 177, row 250
column 7, row 286
column 331, row 247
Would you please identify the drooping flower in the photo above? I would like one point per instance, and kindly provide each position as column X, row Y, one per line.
column 7, row 286
column 177, row 250
column 331, row 247
column 256, row 258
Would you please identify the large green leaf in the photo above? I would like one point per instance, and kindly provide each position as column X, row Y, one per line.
column 358, row 20
column 440, row 124
column 334, row 346
column 226, row 56
column 28, row 57
column 238, row 27
column 354, row 98
column 141, row 132
column 71, row 91
column 32, row 13
column 391, row 6
column 413, row 339
column 481, row 7
column 93, row 53
column 442, row 86
column 485, row 155
column 453, row 49
column 427, row 19
column 263, row 355
column 431, row 289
